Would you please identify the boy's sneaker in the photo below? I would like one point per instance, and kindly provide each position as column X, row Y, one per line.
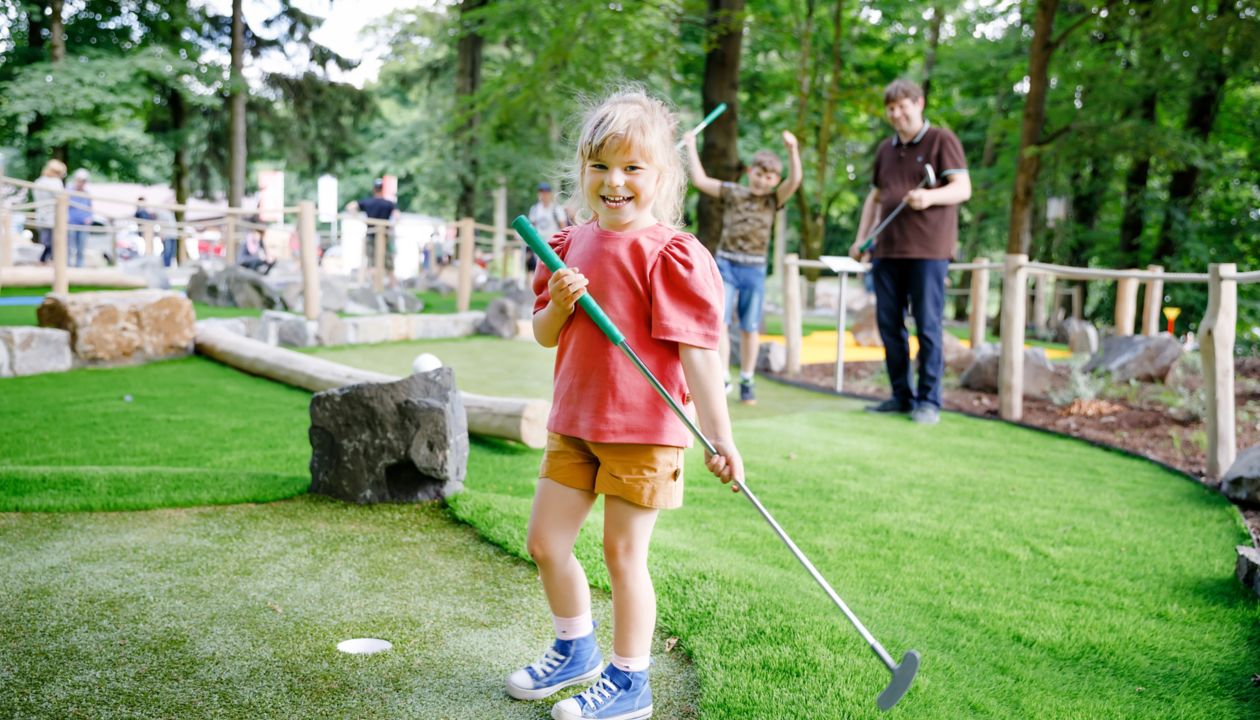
column 618, row 695
column 565, row 663
column 746, row 393
column 727, row 387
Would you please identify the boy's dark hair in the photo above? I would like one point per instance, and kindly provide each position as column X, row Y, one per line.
column 767, row 160
column 901, row 89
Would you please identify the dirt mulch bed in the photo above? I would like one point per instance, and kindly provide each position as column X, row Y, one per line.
column 1137, row 423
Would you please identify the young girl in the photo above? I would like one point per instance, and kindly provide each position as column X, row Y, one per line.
column 610, row 434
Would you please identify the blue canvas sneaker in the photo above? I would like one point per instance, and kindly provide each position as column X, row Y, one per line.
column 618, row 695
column 565, row 663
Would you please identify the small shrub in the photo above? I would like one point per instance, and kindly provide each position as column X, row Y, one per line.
column 1080, row 385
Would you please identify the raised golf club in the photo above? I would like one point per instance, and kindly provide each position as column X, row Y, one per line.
column 929, row 180
column 903, row 673
column 721, row 108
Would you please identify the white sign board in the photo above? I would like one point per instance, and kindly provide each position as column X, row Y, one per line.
column 327, row 198
column 842, row 264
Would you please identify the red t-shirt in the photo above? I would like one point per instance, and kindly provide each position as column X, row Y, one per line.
column 660, row 287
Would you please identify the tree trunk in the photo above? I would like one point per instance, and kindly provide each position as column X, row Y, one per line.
column 34, row 151
column 813, row 222
column 57, row 53
column 1135, row 193
column 933, row 41
column 179, row 171
column 1019, row 240
column 804, row 75
column 237, row 94
column 719, row 152
column 467, row 83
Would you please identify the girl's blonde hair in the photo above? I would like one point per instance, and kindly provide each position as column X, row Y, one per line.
column 54, row 168
column 632, row 118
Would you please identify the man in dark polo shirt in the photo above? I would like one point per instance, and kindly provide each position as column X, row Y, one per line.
column 911, row 255
column 378, row 207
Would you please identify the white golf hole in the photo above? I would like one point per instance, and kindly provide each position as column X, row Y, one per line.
column 364, row 646
column 425, row 362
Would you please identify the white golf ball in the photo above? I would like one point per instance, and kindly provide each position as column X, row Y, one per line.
column 425, row 362
column 126, row 398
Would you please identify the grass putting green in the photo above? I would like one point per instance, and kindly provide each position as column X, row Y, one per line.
column 194, row 432
column 436, row 302
column 1039, row 576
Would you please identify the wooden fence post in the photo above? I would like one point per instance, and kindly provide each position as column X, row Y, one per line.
column 1126, row 305
column 1216, row 344
column 1078, row 300
column 792, row 312
column 500, row 229
column 467, row 251
column 146, row 229
column 1014, row 315
column 979, row 303
column 309, row 244
column 6, row 237
column 229, row 239
column 1153, row 300
column 1041, row 304
column 60, row 248
column 378, row 262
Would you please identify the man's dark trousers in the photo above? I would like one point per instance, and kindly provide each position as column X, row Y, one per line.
column 919, row 285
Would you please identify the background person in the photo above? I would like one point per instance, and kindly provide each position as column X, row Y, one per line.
column 79, row 216
column 911, row 255
column 48, row 186
column 548, row 216
column 747, row 225
column 378, row 207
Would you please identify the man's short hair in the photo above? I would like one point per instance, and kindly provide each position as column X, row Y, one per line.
column 900, row 89
column 378, row 184
column 767, row 160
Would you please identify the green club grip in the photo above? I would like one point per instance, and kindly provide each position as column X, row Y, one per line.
column 530, row 235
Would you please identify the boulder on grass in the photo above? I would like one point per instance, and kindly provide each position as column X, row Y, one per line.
column 1241, row 483
column 404, row 441
column 32, row 350
column 1080, row 335
column 1136, row 357
column 866, row 327
column 108, row 328
column 1248, row 567
column 500, row 320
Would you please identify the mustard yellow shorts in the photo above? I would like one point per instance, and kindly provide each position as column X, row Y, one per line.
column 647, row 475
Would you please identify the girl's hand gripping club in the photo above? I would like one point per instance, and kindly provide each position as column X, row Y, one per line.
column 903, row 673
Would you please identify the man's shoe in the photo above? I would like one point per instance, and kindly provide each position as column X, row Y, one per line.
column 889, row 406
column 618, row 695
column 926, row 415
column 747, row 395
column 565, row 663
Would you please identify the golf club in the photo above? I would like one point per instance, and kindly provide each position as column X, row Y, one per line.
column 721, row 108
column 929, row 180
column 902, row 674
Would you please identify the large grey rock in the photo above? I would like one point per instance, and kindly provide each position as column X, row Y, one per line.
column 771, row 357
column 332, row 329
column 523, row 298
column 958, row 357
column 292, row 330
column 1248, row 567
column 1080, row 335
column 404, row 441
column 248, row 289
column 866, row 327
column 982, row 376
column 1136, row 357
column 500, row 319
column 33, row 350
column 6, row 367
column 401, row 301
column 109, row 328
column 363, row 297
column 1241, row 482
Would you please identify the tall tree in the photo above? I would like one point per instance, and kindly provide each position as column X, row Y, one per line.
column 1147, row 53
column 467, row 83
column 815, row 202
column 238, row 92
column 724, row 22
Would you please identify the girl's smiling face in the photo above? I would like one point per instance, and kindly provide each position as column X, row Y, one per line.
column 619, row 185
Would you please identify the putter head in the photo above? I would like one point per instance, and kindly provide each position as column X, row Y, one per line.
column 930, row 174
column 902, row 676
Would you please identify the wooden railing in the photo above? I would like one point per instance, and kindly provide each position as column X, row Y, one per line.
column 1216, row 332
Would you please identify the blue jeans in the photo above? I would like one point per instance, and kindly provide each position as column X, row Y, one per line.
column 745, row 291
column 169, row 246
column 920, row 286
column 77, row 240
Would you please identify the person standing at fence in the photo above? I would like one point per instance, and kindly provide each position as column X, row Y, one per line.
column 378, row 207
column 747, row 223
column 548, row 216
column 79, row 216
column 911, row 255
column 47, row 187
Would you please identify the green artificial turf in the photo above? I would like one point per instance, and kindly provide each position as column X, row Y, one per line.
column 1039, row 576
column 194, row 432
column 25, row 314
column 236, row 613
column 435, row 302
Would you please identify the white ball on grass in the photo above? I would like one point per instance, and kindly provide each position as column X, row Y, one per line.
column 425, row 362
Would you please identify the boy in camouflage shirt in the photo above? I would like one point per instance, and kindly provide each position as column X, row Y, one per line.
column 747, row 220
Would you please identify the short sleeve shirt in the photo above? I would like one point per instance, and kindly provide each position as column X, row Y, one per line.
column 377, row 208
column 661, row 288
column 747, row 219
column 930, row 234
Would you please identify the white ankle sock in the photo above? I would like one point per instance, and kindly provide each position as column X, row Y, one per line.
column 631, row 664
column 745, row 377
column 575, row 627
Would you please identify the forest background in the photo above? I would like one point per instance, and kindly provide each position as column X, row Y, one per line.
column 1111, row 134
